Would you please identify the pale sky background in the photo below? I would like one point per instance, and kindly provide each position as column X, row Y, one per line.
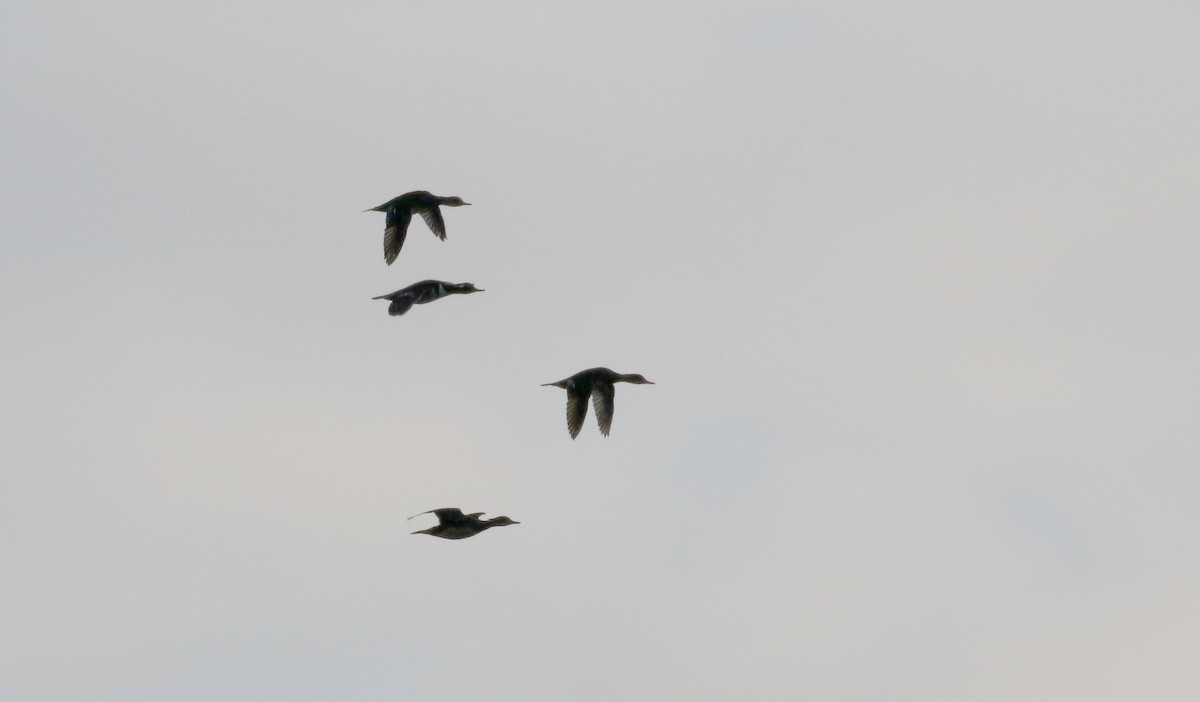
column 917, row 283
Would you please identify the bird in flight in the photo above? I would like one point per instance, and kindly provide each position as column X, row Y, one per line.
column 453, row 524
column 400, row 211
column 598, row 383
column 423, row 292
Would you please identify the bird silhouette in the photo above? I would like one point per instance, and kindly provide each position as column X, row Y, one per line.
column 423, row 292
column 400, row 210
column 453, row 524
column 598, row 383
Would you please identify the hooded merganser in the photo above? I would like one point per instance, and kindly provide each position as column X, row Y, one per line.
column 400, row 211
column 422, row 292
column 597, row 382
column 453, row 524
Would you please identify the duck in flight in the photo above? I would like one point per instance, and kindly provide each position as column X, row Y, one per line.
column 598, row 383
column 400, row 211
column 453, row 524
column 422, row 292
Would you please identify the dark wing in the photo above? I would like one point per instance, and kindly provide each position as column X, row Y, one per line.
column 450, row 515
column 602, row 399
column 400, row 305
column 433, row 217
column 576, row 411
column 397, row 228
column 445, row 515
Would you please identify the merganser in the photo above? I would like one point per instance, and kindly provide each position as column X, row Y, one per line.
column 453, row 524
column 597, row 382
column 400, row 211
column 423, row 292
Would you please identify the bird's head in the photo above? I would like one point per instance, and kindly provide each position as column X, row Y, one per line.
column 636, row 379
column 501, row 521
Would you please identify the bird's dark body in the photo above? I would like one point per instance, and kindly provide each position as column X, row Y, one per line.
column 596, row 383
column 453, row 524
column 400, row 210
column 422, row 293
column 416, row 197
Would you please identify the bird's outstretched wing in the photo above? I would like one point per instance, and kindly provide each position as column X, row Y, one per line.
column 393, row 236
column 400, row 305
column 445, row 515
column 603, row 395
column 433, row 217
column 576, row 411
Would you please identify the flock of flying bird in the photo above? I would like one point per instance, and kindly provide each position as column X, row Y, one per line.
column 596, row 383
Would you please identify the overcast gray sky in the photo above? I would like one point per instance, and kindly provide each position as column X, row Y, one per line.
column 916, row 282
